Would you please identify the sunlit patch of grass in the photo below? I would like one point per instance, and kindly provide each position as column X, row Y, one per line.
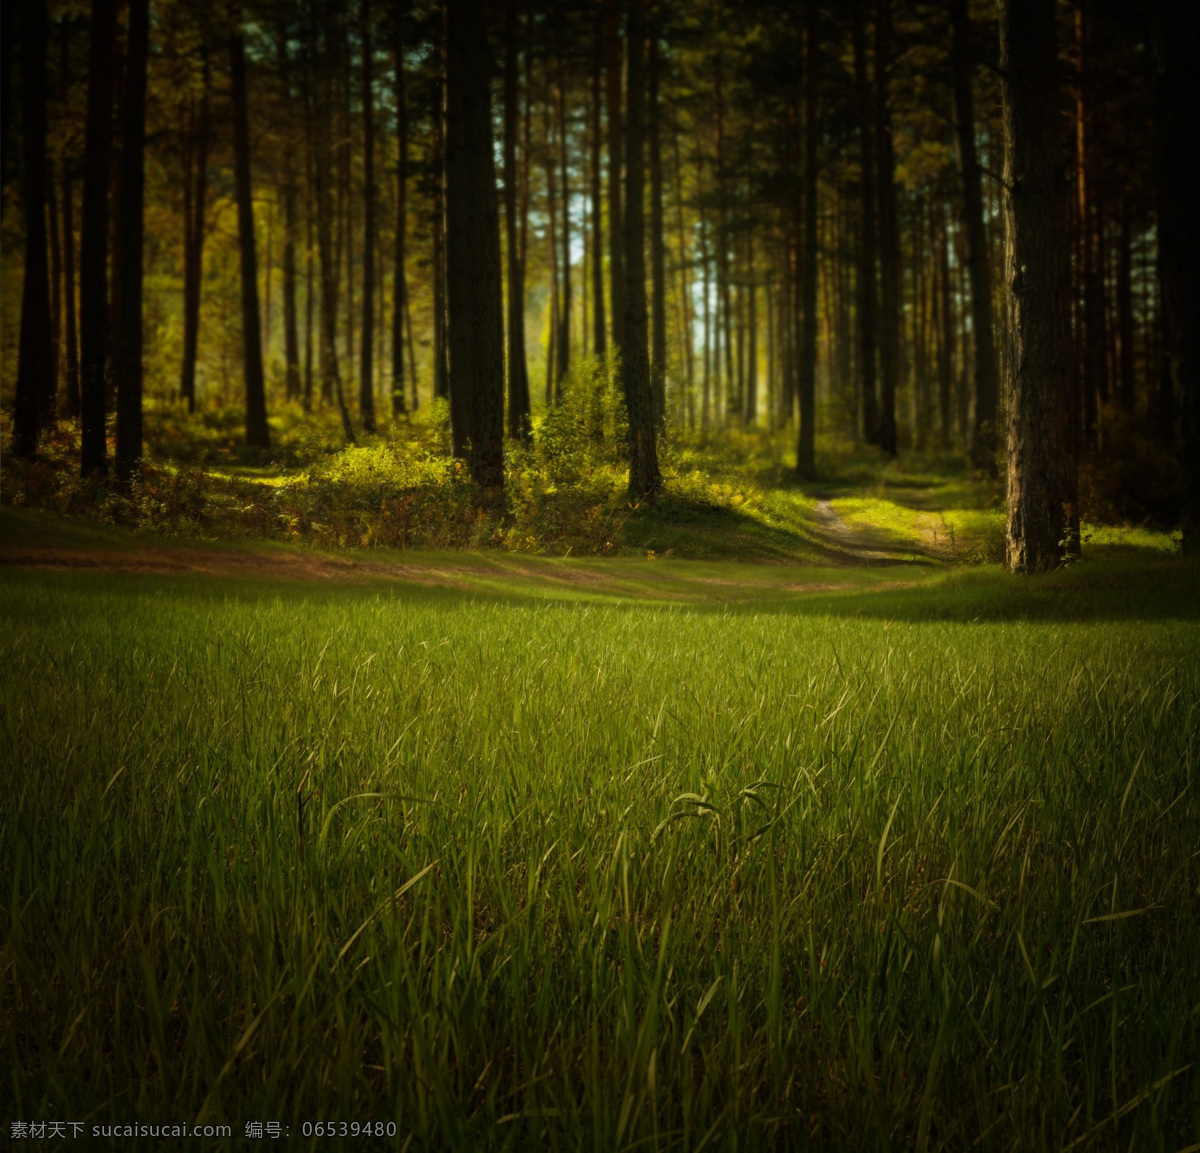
column 822, row 870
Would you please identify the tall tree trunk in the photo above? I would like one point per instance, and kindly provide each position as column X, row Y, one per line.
column 400, row 276
column 257, row 433
column 128, row 365
column 56, row 319
column 291, row 335
column 564, row 339
column 751, row 333
column 945, row 329
column 644, row 476
column 1094, row 363
column 724, row 312
column 35, row 374
column 476, row 308
column 599, row 325
column 889, row 235
column 1125, row 306
column 366, row 383
column 519, row 424
column 658, row 272
column 195, row 207
column 806, row 464
column 310, row 287
column 555, row 326
column 1042, row 482
column 706, row 374
column 984, row 437
column 93, row 243
column 685, row 282
column 616, row 230
column 441, row 374
column 72, row 366
column 1173, row 35
column 868, row 298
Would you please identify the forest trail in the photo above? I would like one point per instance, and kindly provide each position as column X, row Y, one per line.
column 872, row 545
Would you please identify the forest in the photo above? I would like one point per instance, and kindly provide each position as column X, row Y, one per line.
column 601, row 573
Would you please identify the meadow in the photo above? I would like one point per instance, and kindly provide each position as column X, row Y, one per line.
column 520, row 852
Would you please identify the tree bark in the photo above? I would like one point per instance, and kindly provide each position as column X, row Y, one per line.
column 984, row 438
column 1043, row 518
column 195, row 206
column 644, row 477
column 476, row 310
column 867, row 286
column 400, row 274
column 291, row 336
column 519, row 423
column 366, row 383
column 128, row 365
column 889, row 235
column 72, row 339
column 599, row 324
column 564, row 337
column 93, row 244
column 1173, row 35
column 806, row 463
column 257, row 433
column 616, row 230
column 658, row 274
column 441, row 375
column 35, row 371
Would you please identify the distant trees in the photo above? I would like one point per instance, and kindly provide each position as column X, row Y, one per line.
column 782, row 215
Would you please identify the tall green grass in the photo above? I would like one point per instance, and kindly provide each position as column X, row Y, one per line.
column 596, row 876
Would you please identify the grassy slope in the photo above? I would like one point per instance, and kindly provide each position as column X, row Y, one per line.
column 903, row 859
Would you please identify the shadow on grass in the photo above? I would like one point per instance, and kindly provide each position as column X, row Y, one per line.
column 1112, row 585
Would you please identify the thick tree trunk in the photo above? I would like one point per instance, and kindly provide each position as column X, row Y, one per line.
column 751, row 333
column 128, row 364
column 889, row 235
column 616, row 230
column 806, row 464
column 1174, row 31
column 35, row 372
column 984, row 437
column 868, row 293
column 519, row 424
column 366, row 382
column 1043, row 518
column 476, row 308
column 195, row 206
column 658, row 274
column 257, row 433
column 93, row 243
column 644, row 476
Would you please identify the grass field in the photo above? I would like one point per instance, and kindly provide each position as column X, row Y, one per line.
column 523, row 853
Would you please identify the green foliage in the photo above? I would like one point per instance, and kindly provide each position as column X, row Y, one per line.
column 837, row 873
